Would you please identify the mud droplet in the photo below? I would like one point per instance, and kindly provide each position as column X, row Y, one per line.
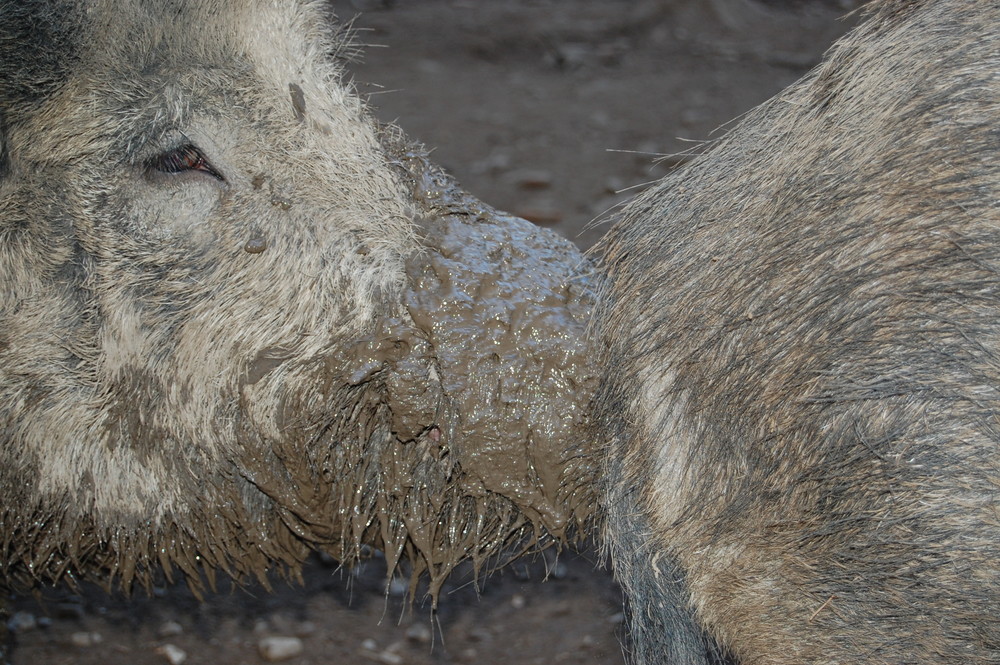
column 298, row 101
column 174, row 654
column 255, row 245
column 258, row 181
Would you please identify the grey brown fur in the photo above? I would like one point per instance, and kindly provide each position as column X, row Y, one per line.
column 219, row 340
column 239, row 320
column 803, row 368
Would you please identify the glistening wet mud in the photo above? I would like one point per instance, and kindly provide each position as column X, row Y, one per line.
column 487, row 381
column 505, row 305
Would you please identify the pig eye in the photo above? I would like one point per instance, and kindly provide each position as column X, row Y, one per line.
column 183, row 158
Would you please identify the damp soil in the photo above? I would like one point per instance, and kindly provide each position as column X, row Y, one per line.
column 554, row 110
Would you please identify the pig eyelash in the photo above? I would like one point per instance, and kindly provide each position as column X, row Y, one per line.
column 183, row 158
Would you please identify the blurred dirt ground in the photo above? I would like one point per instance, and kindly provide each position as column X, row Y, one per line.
column 555, row 110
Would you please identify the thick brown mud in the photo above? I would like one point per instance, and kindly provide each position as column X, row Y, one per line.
column 505, row 305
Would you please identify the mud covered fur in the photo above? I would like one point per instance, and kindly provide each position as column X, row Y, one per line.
column 802, row 371
column 221, row 344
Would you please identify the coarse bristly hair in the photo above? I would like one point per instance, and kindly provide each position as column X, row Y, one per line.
column 168, row 394
column 802, row 380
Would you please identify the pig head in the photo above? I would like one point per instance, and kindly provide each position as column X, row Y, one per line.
column 239, row 320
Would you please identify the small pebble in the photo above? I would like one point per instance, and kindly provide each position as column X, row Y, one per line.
column 170, row 629
column 273, row 649
column 22, row 622
column 390, row 658
column 174, row 654
column 85, row 639
column 518, row 602
column 369, row 645
column 419, row 633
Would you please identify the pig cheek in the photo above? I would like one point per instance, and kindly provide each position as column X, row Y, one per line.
column 181, row 214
